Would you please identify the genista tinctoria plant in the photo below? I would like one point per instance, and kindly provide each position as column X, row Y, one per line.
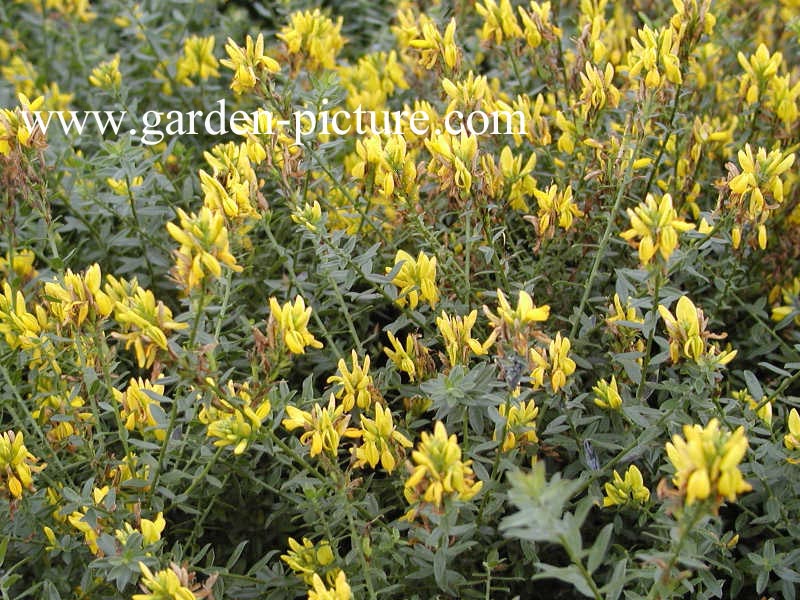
column 454, row 300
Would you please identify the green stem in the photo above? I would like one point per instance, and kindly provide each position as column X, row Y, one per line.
column 496, row 462
column 356, row 538
column 781, row 388
column 685, row 530
column 663, row 144
column 100, row 342
column 293, row 279
column 576, row 560
column 138, row 229
column 650, row 336
column 345, row 312
column 201, row 477
column 598, row 257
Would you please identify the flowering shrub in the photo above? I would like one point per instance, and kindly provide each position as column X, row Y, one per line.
column 559, row 343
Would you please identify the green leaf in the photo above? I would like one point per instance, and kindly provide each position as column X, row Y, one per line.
column 570, row 574
column 598, row 551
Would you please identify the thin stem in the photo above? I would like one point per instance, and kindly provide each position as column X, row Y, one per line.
column 202, row 476
column 345, row 312
column 576, row 560
column 663, row 144
column 356, row 538
column 100, row 341
column 685, row 530
column 598, row 257
column 651, row 335
column 293, row 279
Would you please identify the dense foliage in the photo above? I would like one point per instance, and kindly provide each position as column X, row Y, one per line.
column 393, row 365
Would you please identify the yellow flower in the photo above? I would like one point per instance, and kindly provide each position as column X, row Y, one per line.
column 14, row 133
column 17, row 464
column 88, row 523
column 655, row 53
column 292, row 323
column 618, row 313
column 203, row 240
column 658, row 227
column 520, row 425
column 372, row 80
column 313, row 39
column 516, row 318
column 434, row 47
column 78, row 9
column 688, row 335
column 21, row 264
column 309, row 559
column 517, row 325
column 151, row 530
column 453, row 160
column 554, row 206
column 706, row 462
column 120, row 186
column 782, row 99
column 499, row 22
column 137, row 407
column 164, row 585
column 145, row 322
column 537, row 25
column 106, row 75
column 457, row 334
column 357, row 387
column 758, row 183
column 554, row 361
column 759, row 70
column 628, row 491
column 416, row 278
column 764, row 413
column 380, row 440
column 78, row 297
column 234, row 424
column 790, row 294
column 232, row 186
column 249, row 64
column 339, row 591
column 309, row 216
column 792, row 439
column 20, row 327
column 439, row 472
column 323, row 427
column 403, row 357
column 197, row 60
column 607, row 395
column 511, row 179
column 78, row 520
column 597, row 91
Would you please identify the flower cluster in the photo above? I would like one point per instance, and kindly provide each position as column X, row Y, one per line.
column 706, row 462
column 439, row 473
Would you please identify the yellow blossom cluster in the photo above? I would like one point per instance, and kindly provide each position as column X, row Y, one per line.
column 322, row 427
column 439, row 473
column 234, row 420
column 291, row 321
column 416, row 279
column 204, row 248
column 17, row 464
column 706, row 462
column 312, row 40
column 657, row 226
column 688, row 336
column 308, row 560
column 627, row 491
